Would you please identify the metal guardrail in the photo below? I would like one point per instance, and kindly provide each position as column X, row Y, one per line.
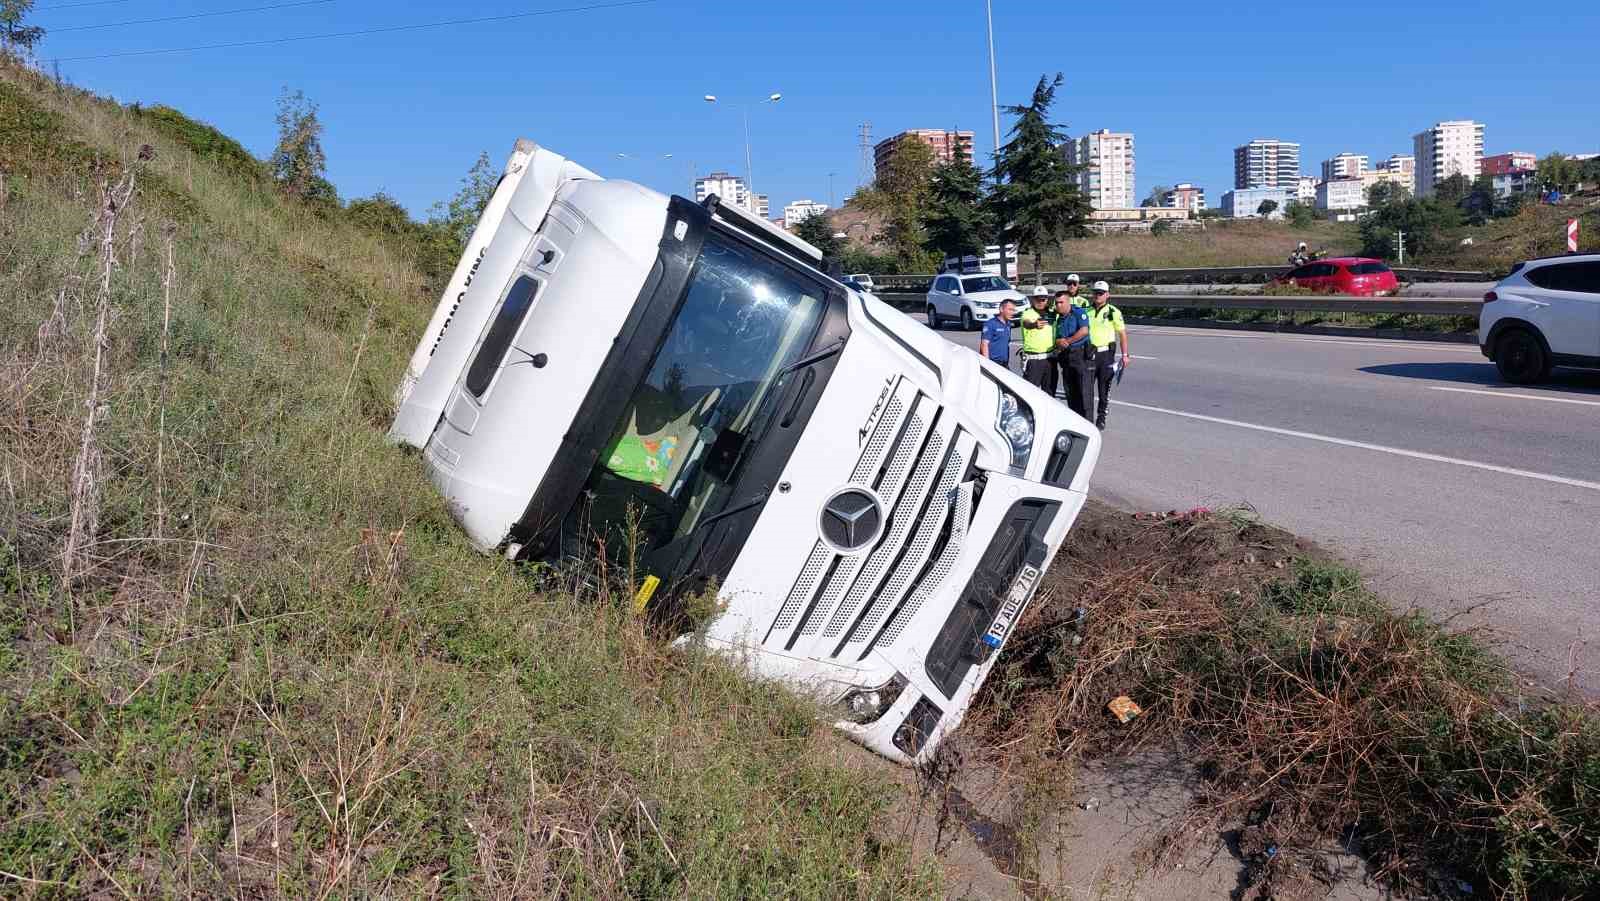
column 1423, row 306
column 1208, row 275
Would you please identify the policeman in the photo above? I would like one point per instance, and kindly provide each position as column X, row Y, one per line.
column 1073, row 353
column 1107, row 334
column 1074, row 284
column 1039, row 341
column 994, row 341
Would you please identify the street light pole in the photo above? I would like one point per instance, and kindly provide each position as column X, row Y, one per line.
column 749, row 170
column 994, row 111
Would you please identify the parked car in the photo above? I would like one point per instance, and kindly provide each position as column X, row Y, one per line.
column 1360, row 276
column 862, row 288
column 968, row 299
column 1546, row 313
column 865, row 281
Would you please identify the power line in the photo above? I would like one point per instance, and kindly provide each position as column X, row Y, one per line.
column 220, row 12
column 386, row 29
column 76, row 5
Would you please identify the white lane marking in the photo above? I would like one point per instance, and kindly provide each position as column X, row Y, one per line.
column 1391, row 343
column 1554, row 400
column 1382, row 449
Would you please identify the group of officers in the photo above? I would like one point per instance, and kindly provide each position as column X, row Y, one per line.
column 1082, row 342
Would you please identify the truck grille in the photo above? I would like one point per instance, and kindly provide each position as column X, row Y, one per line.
column 843, row 605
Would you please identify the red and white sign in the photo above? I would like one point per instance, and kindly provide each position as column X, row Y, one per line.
column 1572, row 236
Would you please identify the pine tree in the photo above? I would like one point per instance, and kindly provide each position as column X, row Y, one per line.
column 1037, row 196
column 958, row 221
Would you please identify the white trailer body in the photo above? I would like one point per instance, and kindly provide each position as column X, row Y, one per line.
column 875, row 505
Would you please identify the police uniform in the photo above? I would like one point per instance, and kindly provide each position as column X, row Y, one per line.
column 1104, row 324
column 1038, row 349
column 1076, row 360
column 997, row 332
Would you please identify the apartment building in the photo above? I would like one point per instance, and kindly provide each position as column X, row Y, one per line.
column 1345, row 165
column 1506, row 163
column 944, row 143
column 1107, row 177
column 800, row 210
column 1448, row 148
column 731, row 188
column 1341, row 195
column 1266, row 163
column 1245, row 203
column 1401, row 169
column 1184, row 196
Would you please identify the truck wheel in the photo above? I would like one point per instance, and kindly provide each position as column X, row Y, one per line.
column 967, row 323
column 933, row 316
column 1520, row 357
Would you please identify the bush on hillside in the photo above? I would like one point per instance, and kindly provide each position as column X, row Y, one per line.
column 203, row 140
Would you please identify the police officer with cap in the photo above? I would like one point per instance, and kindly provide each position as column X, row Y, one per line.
column 1074, row 284
column 1039, row 341
column 1107, row 334
column 1073, row 353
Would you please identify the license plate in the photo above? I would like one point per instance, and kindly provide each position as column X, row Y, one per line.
column 1016, row 598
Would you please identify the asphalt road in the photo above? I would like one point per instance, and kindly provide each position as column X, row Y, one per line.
column 1409, row 459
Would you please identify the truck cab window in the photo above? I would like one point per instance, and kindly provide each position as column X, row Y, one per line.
column 673, row 457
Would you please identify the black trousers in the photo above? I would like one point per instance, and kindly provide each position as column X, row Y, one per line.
column 1041, row 372
column 1105, row 367
column 1077, row 365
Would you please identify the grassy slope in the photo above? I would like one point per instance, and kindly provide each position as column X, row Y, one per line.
column 1222, row 243
column 280, row 670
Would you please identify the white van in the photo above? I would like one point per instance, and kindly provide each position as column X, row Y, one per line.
column 875, row 505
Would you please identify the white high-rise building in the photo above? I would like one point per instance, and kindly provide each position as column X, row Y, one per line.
column 1305, row 189
column 1402, row 169
column 1266, row 163
column 1107, row 177
column 731, row 188
column 1345, row 165
column 1448, row 148
column 801, row 210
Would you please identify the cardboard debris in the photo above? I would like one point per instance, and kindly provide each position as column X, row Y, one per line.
column 1123, row 708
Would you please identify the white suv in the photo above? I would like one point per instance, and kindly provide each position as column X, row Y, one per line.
column 1545, row 313
column 968, row 299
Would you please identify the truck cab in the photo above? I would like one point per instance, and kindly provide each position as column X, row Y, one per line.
column 874, row 506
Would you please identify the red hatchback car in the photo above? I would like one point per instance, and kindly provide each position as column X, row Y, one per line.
column 1360, row 276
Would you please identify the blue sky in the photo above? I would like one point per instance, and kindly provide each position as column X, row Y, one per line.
column 408, row 112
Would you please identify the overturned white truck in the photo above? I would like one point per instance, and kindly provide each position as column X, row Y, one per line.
column 874, row 504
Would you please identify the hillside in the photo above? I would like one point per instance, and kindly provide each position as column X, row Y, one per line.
column 1223, row 242
column 243, row 649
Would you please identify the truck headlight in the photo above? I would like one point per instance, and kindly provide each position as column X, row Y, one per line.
column 1015, row 422
column 866, row 705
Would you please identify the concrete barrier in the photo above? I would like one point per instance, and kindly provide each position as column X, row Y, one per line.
column 1202, row 275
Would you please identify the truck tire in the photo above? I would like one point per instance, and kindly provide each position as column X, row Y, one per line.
column 1520, row 357
column 967, row 322
column 933, row 317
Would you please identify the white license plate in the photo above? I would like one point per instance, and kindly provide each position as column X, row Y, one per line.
column 1016, row 598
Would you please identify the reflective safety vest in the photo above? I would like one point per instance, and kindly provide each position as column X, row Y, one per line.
column 1037, row 340
column 1104, row 324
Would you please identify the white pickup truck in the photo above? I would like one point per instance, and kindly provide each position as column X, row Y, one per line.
column 875, row 505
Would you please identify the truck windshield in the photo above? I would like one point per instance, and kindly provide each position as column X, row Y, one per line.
column 673, row 456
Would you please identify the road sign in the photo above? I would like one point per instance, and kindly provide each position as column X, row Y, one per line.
column 1572, row 236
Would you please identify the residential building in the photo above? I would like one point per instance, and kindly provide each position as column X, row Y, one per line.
column 1504, row 163
column 1341, row 195
column 1448, row 148
column 944, row 143
column 1402, row 169
column 1266, row 163
column 1184, row 196
column 1380, row 176
column 801, row 210
column 1345, row 165
column 1107, row 177
column 1305, row 189
column 762, row 207
column 1515, row 181
column 1243, row 203
column 731, row 188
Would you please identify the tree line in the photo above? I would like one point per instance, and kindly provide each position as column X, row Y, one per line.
column 929, row 210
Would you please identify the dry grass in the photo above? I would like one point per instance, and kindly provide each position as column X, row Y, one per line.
column 1317, row 712
column 1222, row 243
